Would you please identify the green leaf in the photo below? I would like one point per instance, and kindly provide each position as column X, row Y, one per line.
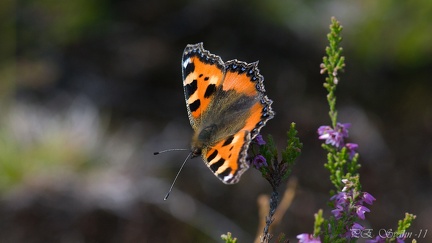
column 294, row 146
column 319, row 220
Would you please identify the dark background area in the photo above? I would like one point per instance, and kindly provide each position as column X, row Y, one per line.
column 89, row 89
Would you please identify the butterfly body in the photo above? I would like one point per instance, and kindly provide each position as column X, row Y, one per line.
column 227, row 108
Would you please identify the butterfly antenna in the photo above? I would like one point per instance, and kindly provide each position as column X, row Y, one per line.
column 169, row 150
column 178, row 173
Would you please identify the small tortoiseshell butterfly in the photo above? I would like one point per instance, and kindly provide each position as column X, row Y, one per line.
column 227, row 107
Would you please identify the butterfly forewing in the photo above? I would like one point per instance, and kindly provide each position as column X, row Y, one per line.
column 202, row 74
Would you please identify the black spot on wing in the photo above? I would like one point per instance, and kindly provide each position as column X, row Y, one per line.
column 210, row 90
column 194, row 105
column 191, row 88
column 190, row 67
column 212, row 156
column 225, row 173
column 228, row 141
column 214, row 167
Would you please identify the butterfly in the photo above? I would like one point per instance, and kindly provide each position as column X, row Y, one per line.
column 227, row 108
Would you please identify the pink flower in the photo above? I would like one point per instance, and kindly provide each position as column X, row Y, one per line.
column 334, row 136
column 368, row 198
column 361, row 210
column 307, row 238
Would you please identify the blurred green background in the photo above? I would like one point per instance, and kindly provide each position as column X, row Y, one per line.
column 89, row 89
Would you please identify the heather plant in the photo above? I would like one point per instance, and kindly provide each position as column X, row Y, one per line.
column 348, row 202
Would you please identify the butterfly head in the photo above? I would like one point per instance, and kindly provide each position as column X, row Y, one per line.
column 196, row 152
column 202, row 139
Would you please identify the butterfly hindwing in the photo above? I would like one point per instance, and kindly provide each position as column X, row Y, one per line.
column 246, row 80
column 227, row 107
column 227, row 159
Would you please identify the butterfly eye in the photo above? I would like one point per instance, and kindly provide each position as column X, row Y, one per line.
column 207, row 132
column 196, row 152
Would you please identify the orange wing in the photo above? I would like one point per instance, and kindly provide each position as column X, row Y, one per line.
column 227, row 159
column 246, row 80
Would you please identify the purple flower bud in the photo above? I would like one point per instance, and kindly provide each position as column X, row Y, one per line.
column 368, row 198
column 400, row 240
column 342, row 128
column 324, row 130
column 355, row 231
column 377, row 239
column 361, row 210
column 259, row 140
column 352, row 147
column 357, row 226
column 259, row 161
column 337, row 213
column 340, row 198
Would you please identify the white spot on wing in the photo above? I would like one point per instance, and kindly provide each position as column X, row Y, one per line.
column 189, row 79
column 235, row 139
column 228, row 177
column 213, row 79
column 192, row 98
column 186, row 62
